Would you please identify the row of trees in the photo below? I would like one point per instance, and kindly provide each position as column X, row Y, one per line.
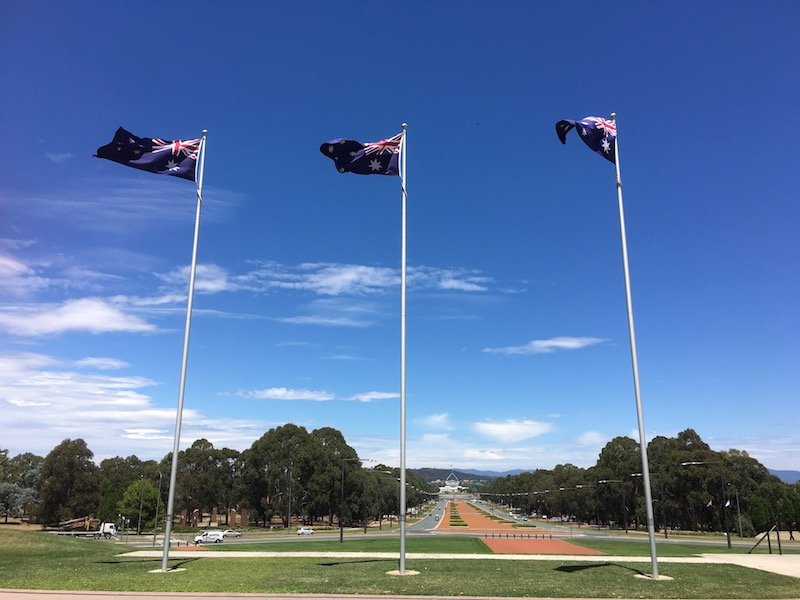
column 693, row 488
column 288, row 474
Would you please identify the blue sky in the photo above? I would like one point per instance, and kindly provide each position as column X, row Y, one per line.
column 517, row 337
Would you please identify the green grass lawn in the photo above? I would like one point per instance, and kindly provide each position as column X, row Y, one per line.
column 440, row 544
column 642, row 548
column 36, row 560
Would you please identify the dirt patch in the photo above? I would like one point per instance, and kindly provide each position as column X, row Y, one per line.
column 536, row 546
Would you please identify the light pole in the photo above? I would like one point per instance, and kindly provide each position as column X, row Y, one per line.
column 341, row 500
column 580, row 486
column 158, row 503
column 738, row 511
column 624, row 509
column 663, row 509
column 689, row 463
column 141, row 503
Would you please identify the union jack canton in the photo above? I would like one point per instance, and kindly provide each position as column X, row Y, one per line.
column 597, row 133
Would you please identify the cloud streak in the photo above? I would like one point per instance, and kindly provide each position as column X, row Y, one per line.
column 282, row 393
column 511, row 430
column 91, row 315
column 547, row 346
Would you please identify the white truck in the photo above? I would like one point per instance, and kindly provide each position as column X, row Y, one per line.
column 107, row 530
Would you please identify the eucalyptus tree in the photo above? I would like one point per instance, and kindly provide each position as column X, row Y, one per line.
column 230, row 465
column 276, row 468
column 200, row 480
column 69, row 483
column 334, row 483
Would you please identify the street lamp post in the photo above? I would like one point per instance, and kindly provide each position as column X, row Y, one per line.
column 663, row 508
column 141, row 504
column 158, row 503
column 738, row 511
column 624, row 518
column 724, row 486
column 341, row 499
column 580, row 486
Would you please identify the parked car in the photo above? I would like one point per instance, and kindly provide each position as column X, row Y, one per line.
column 231, row 533
column 208, row 537
column 305, row 531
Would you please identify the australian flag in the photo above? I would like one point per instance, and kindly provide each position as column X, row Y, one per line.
column 372, row 158
column 597, row 133
column 165, row 157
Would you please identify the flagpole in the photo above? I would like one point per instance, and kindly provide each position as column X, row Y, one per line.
column 635, row 364
column 184, row 361
column 402, row 515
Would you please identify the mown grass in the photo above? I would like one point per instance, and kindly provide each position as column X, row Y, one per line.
column 37, row 560
column 438, row 544
column 615, row 547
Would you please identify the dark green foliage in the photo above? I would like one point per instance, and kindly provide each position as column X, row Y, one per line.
column 69, row 485
column 612, row 491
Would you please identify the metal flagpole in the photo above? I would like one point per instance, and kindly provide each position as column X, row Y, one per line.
column 635, row 363
column 402, row 515
column 182, row 389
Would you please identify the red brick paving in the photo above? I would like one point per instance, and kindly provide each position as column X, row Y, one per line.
column 477, row 522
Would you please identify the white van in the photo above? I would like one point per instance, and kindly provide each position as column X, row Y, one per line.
column 207, row 537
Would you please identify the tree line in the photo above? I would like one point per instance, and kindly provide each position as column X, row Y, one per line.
column 693, row 488
column 288, row 475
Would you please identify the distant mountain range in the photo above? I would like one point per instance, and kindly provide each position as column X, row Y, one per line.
column 786, row 476
column 429, row 474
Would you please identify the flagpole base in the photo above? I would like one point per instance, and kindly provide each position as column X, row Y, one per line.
column 651, row 578
column 397, row 573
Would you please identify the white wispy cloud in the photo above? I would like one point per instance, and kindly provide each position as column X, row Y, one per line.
column 435, row 438
column 373, row 396
column 127, row 204
column 20, row 279
column 16, row 243
column 591, row 438
column 437, row 421
column 48, row 399
column 337, row 279
column 209, row 279
column 103, row 363
column 511, row 430
column 92, row 315
column 282, row 393
column 336, row 313
column 451, row 279
column 348, row 357
column 548, row 346
column 324, row 321
column 59, row 157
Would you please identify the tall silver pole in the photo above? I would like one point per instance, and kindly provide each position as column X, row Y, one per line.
column 635, row 363
column 402, row 514
column 173, row 475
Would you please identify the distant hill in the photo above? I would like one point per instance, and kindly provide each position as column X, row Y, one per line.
column 431, row 474
column 786, row 476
